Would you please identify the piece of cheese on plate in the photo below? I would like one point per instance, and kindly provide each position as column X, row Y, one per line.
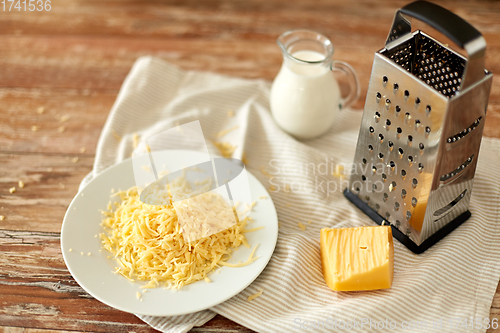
column 357, row 258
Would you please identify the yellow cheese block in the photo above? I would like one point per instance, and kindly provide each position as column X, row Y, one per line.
column 357, row 258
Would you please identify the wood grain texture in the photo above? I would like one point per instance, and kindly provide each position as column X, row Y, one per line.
column 73, row 60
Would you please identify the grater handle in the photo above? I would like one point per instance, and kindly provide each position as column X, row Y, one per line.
column 462, row 33
column 352, row 79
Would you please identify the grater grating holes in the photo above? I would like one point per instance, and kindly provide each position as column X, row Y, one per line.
column 403, row 193
column 430, row 62
column 414, row 183
column 417, row 124
column 385, row 197
column 465, row 131
column 420, row 167
column 381, row 137
column 399, row 130
column 410, row 140
column 413, row 201
column 403, row 174
column 391, row 145
column 395, row 87
column 407, row 118
column 457, row 170
column 387, row 124
column 378, row 97
column 384, row 177
column 396, row 206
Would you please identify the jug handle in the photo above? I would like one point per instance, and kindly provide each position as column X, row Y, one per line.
column 352, row 79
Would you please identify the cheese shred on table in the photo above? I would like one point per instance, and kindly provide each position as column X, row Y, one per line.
column 148, row 244
column 254, row 296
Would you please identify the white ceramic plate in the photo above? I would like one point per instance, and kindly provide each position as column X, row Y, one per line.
column 94, row 272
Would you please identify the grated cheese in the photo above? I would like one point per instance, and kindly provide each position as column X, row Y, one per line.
column 224, row 132
column 265, row 173
column 301, row 226
column 225, row 148
column 136, row 140
column 82, row 150
column 244, row 158
column 252, row 230
column 339, row 171
column 40, row 110
column 35, row 128
column 21, row 184
column 74, row 159
column 2, row 217
column 61, row 129
column 138, row 295
column 148, row 243
column 254, row 296
column 250, row 260
column 116, row 135
column 12, row 189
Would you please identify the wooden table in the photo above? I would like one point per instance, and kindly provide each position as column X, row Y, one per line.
column 71, row 61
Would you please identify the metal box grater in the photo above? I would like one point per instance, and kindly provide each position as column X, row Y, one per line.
column 421, row 128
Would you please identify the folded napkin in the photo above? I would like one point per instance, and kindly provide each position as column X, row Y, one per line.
column 456, row 278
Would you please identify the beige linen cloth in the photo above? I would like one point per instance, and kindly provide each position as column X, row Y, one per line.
column 454, row 280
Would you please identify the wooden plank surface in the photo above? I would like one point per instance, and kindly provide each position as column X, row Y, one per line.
column 72, row 61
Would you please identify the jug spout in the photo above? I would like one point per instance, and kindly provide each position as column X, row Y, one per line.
column 293, row 43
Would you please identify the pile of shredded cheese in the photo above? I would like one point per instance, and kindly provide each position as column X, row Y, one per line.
column 149, row 245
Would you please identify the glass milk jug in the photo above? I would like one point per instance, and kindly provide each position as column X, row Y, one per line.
column 305, row 97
